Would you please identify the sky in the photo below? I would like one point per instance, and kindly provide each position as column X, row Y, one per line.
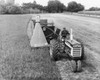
column 86, row 3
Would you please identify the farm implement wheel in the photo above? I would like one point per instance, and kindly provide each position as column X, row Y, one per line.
column 73, row 66
column 79, row 66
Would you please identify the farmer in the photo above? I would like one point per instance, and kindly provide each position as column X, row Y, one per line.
column 64, row 34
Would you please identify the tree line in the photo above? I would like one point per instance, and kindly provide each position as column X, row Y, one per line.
column 53, row 6
column 94, row 9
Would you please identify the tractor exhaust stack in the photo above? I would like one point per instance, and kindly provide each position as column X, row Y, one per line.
column 71, row 35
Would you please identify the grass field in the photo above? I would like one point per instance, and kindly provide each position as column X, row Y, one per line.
column 17, row 61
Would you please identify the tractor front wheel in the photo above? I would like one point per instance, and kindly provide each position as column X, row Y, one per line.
column 73, row 66
column 79, row 66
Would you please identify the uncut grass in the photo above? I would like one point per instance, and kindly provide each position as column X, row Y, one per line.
column 20, row 62
column 34, row 66
column 17, row 60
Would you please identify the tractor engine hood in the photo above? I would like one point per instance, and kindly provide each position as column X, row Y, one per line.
column 72, row 43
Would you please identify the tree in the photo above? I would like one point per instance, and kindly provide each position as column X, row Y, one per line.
column 55, row 6
column 13, row 9
column 80, row 7
column 10, row 9
column 33, row 5
column 94, row 9
column 75, row 7
column 2, row 9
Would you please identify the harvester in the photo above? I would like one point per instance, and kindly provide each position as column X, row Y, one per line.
column 69, row 49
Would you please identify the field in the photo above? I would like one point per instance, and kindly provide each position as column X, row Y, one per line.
column 14, row 44
column 90, row 12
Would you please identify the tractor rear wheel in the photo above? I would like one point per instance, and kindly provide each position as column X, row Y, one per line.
column 54, row 50
column 51, row 55
column 73, row 66
column 79, row 66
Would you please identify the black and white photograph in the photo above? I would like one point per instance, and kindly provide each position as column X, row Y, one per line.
column 49, row 39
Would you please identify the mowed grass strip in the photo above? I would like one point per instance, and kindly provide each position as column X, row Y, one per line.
column 17, row 60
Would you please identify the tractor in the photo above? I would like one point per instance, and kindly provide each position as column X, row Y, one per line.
column 70, row 49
